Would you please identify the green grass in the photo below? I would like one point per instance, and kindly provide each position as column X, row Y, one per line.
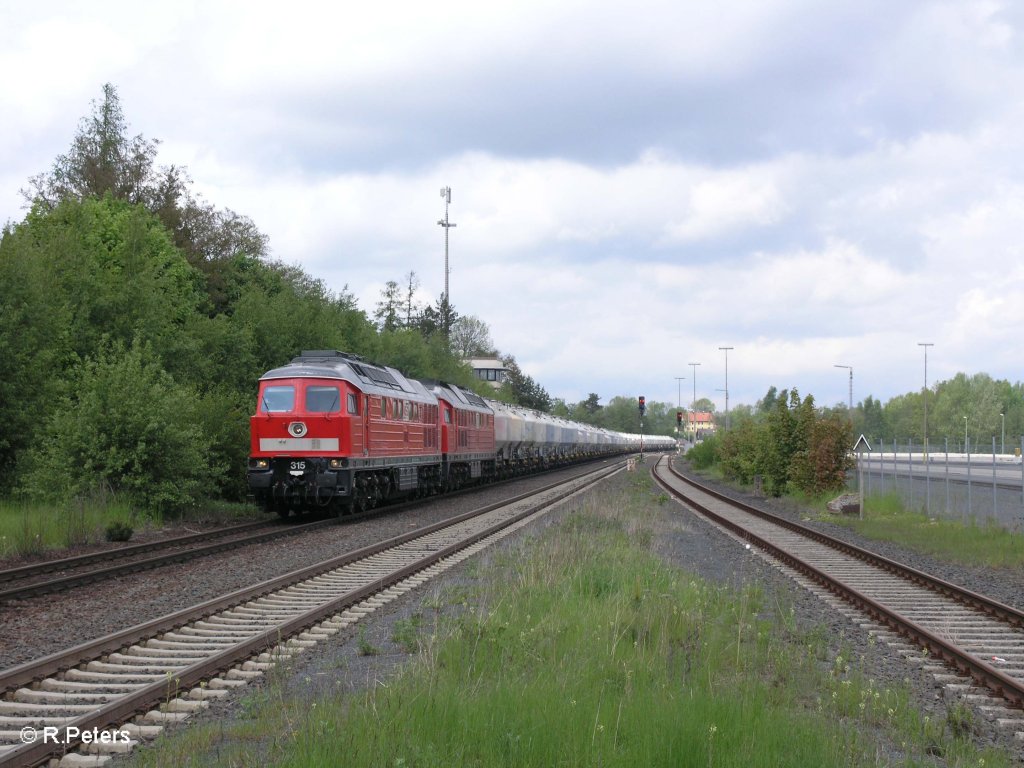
column 407, row 633
column 586, row 649
column 31, row 529
column 28, row 529
column 886, row 518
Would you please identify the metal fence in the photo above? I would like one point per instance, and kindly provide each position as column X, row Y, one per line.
column 953, row 480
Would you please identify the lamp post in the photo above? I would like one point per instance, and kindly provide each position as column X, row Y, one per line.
column 925, row 344
column 726, row 350
column 1002, row 442
column 446, row 193
column 694, row 403
column 965, row 437
column 850, row 406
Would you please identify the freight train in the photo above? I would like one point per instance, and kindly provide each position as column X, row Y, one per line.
column 332, row 430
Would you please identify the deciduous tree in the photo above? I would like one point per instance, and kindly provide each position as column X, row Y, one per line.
column 471, row 338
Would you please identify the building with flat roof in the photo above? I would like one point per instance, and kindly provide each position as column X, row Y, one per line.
column 489, row 369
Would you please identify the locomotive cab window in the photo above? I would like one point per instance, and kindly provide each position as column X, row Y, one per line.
column 353, row 403
column 278, row 399
column 323, row 400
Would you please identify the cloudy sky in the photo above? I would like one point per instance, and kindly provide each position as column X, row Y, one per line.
column 634, row 184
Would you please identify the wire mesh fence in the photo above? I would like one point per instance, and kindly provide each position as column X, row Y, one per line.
column 953, row 480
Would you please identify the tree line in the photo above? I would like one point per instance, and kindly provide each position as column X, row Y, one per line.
column 136, row 318
column 467, row 336
column 786, row 441
column 967, row 407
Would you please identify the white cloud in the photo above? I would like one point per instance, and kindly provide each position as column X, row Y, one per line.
column 809, row 183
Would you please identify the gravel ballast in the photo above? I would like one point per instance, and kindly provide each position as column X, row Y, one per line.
column 687, row 542
column 38, row 626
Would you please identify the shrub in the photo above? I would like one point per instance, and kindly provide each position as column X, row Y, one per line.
column 129, row 428
column 119, row 531
column 704, row 454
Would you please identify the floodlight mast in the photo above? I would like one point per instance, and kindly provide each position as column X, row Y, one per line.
column 726, row 350
column 694, row 404
column 849, row 408
column 926, row 344
column 446, row 193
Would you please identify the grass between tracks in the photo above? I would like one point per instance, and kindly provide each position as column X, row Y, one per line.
column 584, row 648
column 32, row 529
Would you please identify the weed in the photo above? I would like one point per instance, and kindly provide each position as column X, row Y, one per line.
column 366, row 648
column 960, row 719
column 119, row 531
column 406, row 633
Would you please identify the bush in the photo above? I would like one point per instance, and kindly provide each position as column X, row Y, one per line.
column 119, row 531
column 129, row 428
column 704, row 454
column 823, row 465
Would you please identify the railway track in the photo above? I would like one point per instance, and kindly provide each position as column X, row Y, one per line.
column 959, row 631
column 67, row 573
column 56, row 575
column 123, row 687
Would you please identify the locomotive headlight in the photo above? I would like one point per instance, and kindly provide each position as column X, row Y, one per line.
column 336, row 463
column 259, row 463
column 296, row 429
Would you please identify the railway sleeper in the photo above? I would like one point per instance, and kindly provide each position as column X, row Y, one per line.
column 66, row 687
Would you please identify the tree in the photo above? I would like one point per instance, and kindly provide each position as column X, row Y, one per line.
column 102, row 160
column 823, row 464
column 128, row 428
column 221, row 244
column 775, row 447
column 522, row 389
column 704, row 405
column 412, row 284
column 560, row 408
column 471, row 337
column 438, row 319
column 592, row 405
column 767, row 403
column 741, row 450
column 875, row 424
column 388, row 307
column 73, row 279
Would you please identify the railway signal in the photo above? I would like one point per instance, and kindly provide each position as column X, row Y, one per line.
column 679, row 418
column 643, row 405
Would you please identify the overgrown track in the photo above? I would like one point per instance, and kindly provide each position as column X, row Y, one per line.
column 20, row 583
column 25, row 582
column 979, row 637
column 105, row 683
